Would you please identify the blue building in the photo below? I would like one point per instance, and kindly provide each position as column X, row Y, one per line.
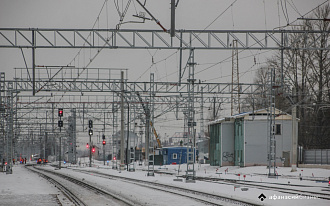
column 175, row 155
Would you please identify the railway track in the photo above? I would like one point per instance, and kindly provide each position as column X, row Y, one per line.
column 47, row 174
column 202, row 197
column 70, row 195
column 269, row 186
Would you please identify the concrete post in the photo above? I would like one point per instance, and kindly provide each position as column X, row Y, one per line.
column 294, row 140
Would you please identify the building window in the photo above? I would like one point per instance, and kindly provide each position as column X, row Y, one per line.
column 278, row 129
column 175, row 156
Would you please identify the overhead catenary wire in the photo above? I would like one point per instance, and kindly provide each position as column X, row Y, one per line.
column 255, row 43
column 294, row 7
column 285, row 11
column 307, row 13
column 191, row 40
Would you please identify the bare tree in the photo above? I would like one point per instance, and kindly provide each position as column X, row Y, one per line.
column 307, row 76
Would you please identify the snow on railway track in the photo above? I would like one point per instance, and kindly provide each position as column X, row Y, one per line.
column 202, row 197
column 68, row 185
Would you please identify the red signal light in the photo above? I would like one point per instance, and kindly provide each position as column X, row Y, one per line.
column 114, row 158
column 103, row 142
column 60, row 112
column 87, row 145
column 93, row 149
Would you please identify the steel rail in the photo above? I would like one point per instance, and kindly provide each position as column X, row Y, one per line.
column 91, row 187
column 166, row 187
column 70, row 195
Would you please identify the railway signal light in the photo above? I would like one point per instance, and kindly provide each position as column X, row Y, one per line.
column 103, row 136
column 93, row 149
column 60, row 112
column 90, row 123
column 60, row 123
column 114, row 158
column 87, row 145
column 103, row 142
column 90, row 132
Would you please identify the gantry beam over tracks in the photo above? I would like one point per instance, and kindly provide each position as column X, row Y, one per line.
column 158, row 39
column 161, row 88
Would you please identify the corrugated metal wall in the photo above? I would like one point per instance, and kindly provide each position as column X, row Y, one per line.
column 317, row 156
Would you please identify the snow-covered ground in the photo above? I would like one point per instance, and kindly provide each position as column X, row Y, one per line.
column 24, row 185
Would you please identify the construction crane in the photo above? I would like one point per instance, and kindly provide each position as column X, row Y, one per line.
column 147, row 113
column 156, row 135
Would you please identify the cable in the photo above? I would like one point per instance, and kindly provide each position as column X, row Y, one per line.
column 294, row 7
column 280, row 27
column 286, row 18
column 219, row 15
column 156, row 63
column 26, row 64
column 278, row 13
column 195, row 37
column 251, row 45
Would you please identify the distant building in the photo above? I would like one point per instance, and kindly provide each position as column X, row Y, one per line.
column 203, row 144
column 243, row 140
column 178, row 139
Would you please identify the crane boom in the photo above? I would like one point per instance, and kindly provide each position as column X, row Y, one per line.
column 156, row 135
column 147, row 113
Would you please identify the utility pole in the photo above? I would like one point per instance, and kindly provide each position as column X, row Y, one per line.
column 46, row 136
column 294, row 140
column 114, row 133
column 34, row 62
column 235, row 90
column 103, row 138
column 60, row 125
column 103, row 143
column 122, row 123
column 9, row 130
column 60, row 152
column 90, row 132
column 190, row 172
column 173, row 5
column 150, row 148
column 271, row 123
column 127, row 147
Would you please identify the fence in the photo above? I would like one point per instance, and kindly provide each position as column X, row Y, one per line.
column 317, row 156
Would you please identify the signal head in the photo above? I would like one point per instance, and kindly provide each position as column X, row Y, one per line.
column 60, row 112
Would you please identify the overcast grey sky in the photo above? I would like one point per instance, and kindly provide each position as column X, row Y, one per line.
column 190, row 14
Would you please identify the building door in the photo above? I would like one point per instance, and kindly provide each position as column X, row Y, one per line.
column 215, row 145
column 239, row 142
column 286, row 156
